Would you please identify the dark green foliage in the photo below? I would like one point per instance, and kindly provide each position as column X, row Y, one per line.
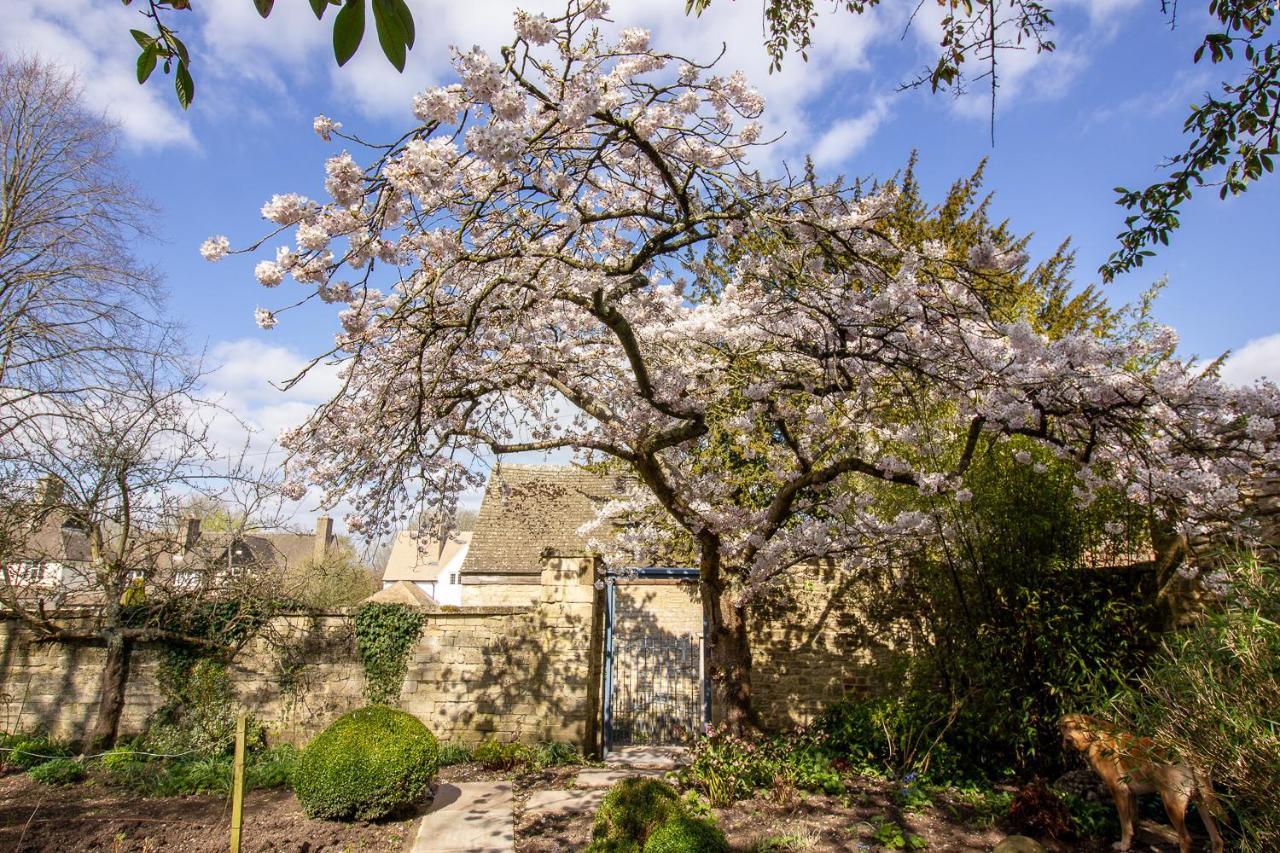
column 556, row 754
column 57, row 771
column 1211, row 696
column 384, row 635
column 32, row 750
column 365, row 765
column 199, row 712
column 152, row 777
column 685, row 834
column 631, row 810
column 496, row 755
column 1011, row 628
column 729, row 767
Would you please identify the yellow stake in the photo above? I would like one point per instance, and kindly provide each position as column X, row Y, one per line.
column 237, row 790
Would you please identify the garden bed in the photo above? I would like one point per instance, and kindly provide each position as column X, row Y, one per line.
column 42, row 818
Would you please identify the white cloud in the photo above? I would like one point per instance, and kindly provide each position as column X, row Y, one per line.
column 243, row 379
column 846, row 138
column 1257, row 359
column 92, row 39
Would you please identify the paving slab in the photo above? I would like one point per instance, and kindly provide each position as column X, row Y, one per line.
column 476, row 817
column 605, row 777
column 648, row 757
column 573, row 801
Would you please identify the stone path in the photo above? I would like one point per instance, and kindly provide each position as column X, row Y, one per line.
column 475, row 817
column 478, row 817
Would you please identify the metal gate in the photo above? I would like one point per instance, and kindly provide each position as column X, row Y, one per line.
column 654, row 685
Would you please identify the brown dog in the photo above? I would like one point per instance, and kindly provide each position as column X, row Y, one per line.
column 1130, row 766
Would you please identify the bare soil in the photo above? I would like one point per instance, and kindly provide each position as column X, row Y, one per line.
column 42, row 818
column 807, row 822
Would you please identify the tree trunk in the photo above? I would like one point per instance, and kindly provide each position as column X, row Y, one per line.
column 115, row 677
column 730, row 654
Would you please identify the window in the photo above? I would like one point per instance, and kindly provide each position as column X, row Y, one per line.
column 26, row 572
column 453, row 579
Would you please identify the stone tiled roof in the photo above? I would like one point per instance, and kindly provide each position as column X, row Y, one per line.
column 529, row 510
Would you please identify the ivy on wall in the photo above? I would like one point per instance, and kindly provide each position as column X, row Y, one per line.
column 384, row 635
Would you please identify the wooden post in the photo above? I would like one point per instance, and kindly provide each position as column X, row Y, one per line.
column 237, row 788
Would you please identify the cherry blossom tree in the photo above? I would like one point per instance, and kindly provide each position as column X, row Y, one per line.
column 572, row 249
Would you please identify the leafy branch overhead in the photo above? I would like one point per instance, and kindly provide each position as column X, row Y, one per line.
column 162, row 47
column 1232, row 135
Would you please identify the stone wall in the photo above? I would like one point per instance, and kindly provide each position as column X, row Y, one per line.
column 509, row 672
column 516, row 673
column 529, row 672
column 812, row 644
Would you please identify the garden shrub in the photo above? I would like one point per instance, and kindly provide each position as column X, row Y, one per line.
column 365, row 765
column 556, row 754
column 199, row 711
column 686, row 834
column 35, row 749
column 384, row 635
column 158, row 777
column 57, row 771
column 1011, row 627
column 454, row 753
column 1210, row 696
column 731, row 767
column 631, row 810
column 496, row 755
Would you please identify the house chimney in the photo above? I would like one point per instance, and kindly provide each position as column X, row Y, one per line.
column 192, row 533
column 49, row 490
column 324, row 535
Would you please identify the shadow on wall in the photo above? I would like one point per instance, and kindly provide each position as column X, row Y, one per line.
column 55, row 686
column 817, row 637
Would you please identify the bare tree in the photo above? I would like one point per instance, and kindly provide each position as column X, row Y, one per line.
column 95, row 546
column 76, row 305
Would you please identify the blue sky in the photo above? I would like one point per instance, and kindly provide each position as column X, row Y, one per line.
column 1098, row 113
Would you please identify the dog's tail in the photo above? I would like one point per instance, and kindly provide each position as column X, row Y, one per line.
column 1205, row 797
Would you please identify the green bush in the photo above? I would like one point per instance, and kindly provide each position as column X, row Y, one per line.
column 198, row 716
column 685, row 834
column 57, row 771
column 32, row 750
column 454, row 753
column 556, row 754
column 730, row 767
column 1210, row 696
column 272, row 768
column 631, row 810
column 365, row 765
column 496, row 755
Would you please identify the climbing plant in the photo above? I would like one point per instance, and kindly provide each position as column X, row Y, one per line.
column 384, row 634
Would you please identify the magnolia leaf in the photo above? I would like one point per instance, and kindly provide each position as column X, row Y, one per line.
column 391, row 33
column 184, row 85
column 146, row 63
column 348, row 30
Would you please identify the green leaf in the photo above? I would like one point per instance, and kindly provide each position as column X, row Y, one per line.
column 406, row 21
column 184, row 85
column 348, row 30
column 180, row 49
column 319, row 7
column 264, row 6
column 391, row 33
column 146, row 63
column 144, row 40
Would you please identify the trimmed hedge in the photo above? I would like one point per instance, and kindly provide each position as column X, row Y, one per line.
column 365, row 765
column 645, row 815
